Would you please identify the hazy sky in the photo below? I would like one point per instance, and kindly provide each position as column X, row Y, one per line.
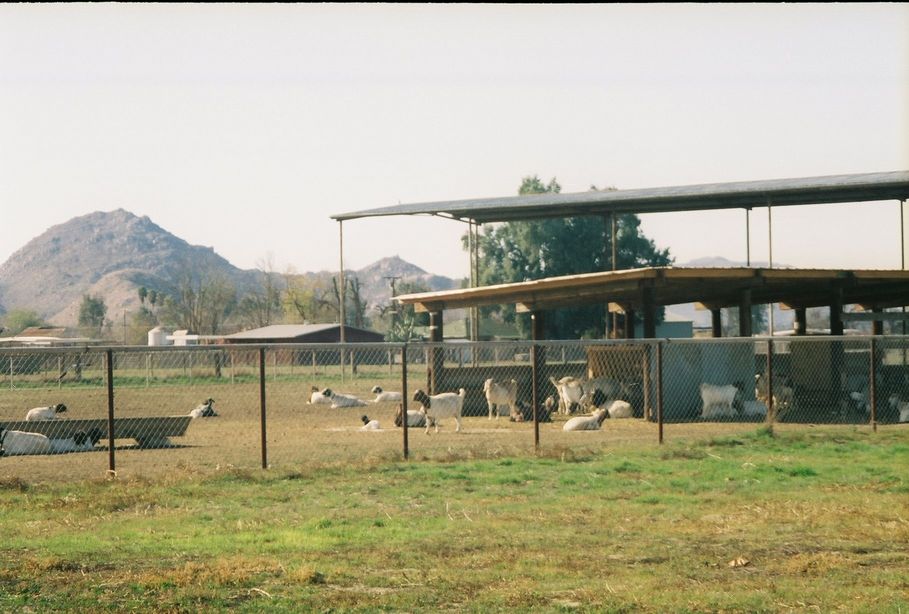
column 245, row 126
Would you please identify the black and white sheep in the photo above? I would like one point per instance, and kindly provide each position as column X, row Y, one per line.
column 205, row 410
column 415, row 418
column 342, row 400
column 443, row 405
column 386, row 396
column 45, row 413
column 318, row 397
column 15, row 443
column 369, row 425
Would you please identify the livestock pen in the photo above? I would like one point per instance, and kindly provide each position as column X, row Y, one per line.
column 265, row 418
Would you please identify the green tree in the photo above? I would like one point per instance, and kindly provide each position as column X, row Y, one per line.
column 403, row 318
column 143, row 294
column 523, row 251
column 141, row 322
column 17, row 320
column 92, row 311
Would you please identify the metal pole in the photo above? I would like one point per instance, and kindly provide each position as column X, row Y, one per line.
column 111, row 464
column 659, row 383
column 615, row 251
column 872, row 388
column 262, row 406
column 341, row 295
column 771, row 418
column 770, row 252
column 404, row 400
column 534, row 397
column 748, row 237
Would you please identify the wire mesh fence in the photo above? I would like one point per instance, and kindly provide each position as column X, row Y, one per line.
column 144, row 410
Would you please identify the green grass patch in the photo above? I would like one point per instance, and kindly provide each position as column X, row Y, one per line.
column 804, row 521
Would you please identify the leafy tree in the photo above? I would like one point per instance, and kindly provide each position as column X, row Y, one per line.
column 143, row 294
column 759, row 323
column 92, row 311
column 523, row 251
column 17, row 320
column 140, row 323
column 354, row 304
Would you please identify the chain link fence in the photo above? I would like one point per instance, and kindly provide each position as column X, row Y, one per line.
column 145, row 410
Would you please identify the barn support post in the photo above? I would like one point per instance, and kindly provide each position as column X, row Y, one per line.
column 629, row 323
column 262, row 406
column 404, row 401
column 836, row 311
column 613, row 237
column 877, row 326
column 745, row 313
column 716, row 323
column 649, row 308
column 872, row 383
column 436, row 352
column 537, row 362
column 748, row 237
column 801, row 321
column 659, row 386
column 109, row 367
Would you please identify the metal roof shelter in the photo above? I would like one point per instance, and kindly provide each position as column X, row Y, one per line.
column 736, row 195
column 865, row 187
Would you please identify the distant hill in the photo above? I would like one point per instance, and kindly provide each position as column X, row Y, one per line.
column 112, row 254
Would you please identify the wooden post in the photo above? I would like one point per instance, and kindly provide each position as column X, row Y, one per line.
column 716, row 323
column 645, row 380
column 877, row 326
column 745, row 313
column 836, row 311
column 801, row 321
column 649, row 308
column 629, row 323
column 437, row 354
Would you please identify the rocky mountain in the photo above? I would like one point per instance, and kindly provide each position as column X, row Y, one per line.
column 106, row 254
column 111, row 254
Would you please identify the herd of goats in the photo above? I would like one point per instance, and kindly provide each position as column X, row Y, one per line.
column 597, row 398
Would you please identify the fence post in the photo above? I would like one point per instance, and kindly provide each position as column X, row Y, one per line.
column 659, row 382
column 108, row 357
column 404, row 400
column 872, row 386
column 534, row 394
column 771, row 406
column 262, row 406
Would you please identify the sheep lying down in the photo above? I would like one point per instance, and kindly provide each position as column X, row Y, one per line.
column 20, row 443
column 592, row 422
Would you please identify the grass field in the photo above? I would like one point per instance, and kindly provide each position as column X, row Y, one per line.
column 800, row 519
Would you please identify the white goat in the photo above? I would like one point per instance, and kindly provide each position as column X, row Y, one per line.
column 782, row 393
column 342, row 400
column 15, row 443
column 500, row 394
column 205, row 410
column 79, row 442
column 570, row 389
column 617, row 408
column 586, row 423
column 896, row 403
column 45, row 413
column 414, row 417
column 386, row 396
column 719, row 401
column 369, row 425
column 318, row 398
column 443, row 405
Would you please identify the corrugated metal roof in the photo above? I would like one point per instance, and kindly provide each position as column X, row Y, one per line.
column 743, row 194
column 281, row 331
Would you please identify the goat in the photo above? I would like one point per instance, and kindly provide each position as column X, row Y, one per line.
column 383, row 396
column 524, row 411
column 369, row 425
column 617, row 408
column 414, row 417
column 720, row 401
column 443, row 405
column 205, row 410
column 500, row 393
column 782, row 393
column 342, row 400
column 318, row 397
column 586, row 423
column 898, row 404
column 15, row 443
column 79, row 442
column 571, row 390
column 45, row 413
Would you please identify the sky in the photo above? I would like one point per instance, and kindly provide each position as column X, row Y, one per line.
column 244, row 127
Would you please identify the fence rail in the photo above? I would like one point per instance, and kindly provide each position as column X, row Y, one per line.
column 293, row 404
